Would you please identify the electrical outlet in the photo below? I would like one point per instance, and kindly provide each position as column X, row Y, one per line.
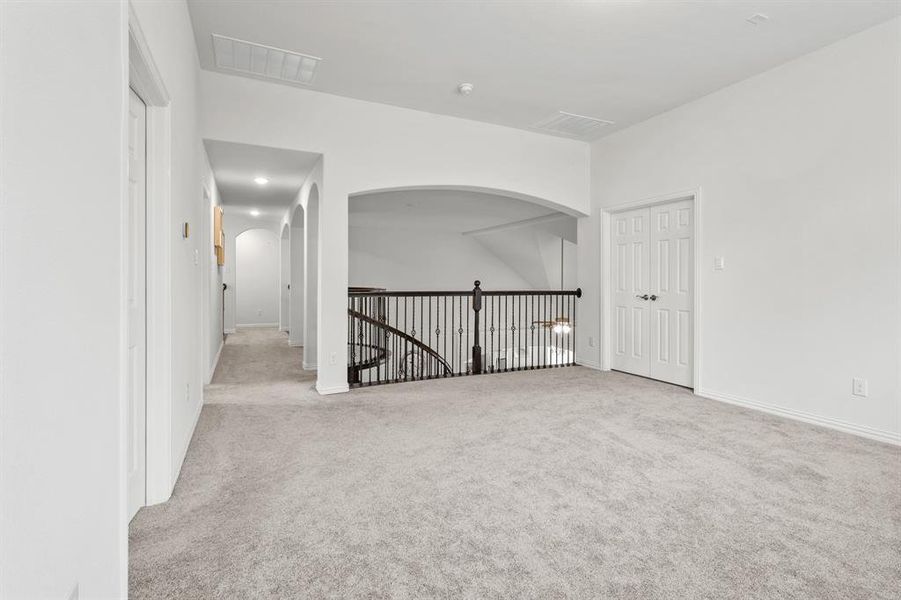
column 260, row 312
column 332, row 358
column 719, row 263
column 859, row 387
column 591, row 341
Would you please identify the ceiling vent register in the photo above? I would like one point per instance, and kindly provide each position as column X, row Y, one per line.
column 264, row 61
column 573, row 125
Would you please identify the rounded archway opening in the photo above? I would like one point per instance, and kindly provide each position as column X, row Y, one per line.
column 296, row 266
column 444, row 238
column 311, row 280
column 257, row 278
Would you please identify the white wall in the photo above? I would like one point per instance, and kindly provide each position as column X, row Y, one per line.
column 63, row 101
column 799, row 177
column 369, row 146
column 213, row 332
column 410, row 258
column 234, row 224
column 257, row 278
column 296, row 270
column 284, row 278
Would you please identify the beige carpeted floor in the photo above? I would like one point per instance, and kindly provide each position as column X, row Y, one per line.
column 543, row 484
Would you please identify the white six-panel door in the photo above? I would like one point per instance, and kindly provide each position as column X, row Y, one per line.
column 652, row 284
column 137, row 305
column 630, row 290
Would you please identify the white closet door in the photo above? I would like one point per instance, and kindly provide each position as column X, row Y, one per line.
column 630, row 291
column 671, row 266
column 137, row 305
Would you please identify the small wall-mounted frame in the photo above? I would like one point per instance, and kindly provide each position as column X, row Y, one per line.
column 218, row 236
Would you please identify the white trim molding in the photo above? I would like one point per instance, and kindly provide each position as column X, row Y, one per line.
column 797, row 415
column 589, row 364
column 257, row 325
column 337, row 389
column 145, row 78
column 215, row 363
column 311, row 366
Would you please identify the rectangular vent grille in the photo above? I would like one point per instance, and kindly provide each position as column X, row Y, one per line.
column 574, row 125
column 264, row 61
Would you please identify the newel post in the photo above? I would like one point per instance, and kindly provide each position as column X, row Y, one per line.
column 476, row 348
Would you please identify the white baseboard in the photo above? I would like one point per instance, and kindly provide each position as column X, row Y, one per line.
column 309, row 366
column 249, row 325
column 231, row 331
column 295, row 344
column 209, row 377
column 589, row 364
column 336, row 389
column 839, row 425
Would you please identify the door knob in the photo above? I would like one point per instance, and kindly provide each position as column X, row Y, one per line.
column 643, row 296
column 653, row 297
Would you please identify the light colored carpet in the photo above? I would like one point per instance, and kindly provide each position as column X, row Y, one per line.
column 564, row 483
column 258, row 366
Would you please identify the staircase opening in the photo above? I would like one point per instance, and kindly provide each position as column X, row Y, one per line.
column 413, row 310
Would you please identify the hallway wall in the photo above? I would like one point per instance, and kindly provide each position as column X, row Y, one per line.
column 235, row 223
column 257, row 278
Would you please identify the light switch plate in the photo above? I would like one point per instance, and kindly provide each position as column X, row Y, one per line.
column 719, row 263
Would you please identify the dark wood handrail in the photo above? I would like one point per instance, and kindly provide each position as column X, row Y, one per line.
column 401, row 334
column 415, row 294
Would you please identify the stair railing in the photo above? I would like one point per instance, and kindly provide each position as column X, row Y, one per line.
column 416, row 335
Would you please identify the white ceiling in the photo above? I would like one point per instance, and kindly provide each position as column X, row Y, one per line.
column 615, row 60
column 440, row 210
column 236, row 165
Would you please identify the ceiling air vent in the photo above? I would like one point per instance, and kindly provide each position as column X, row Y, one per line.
column 573, row 125
column 264, row 61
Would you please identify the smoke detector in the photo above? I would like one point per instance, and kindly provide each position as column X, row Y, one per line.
column 465, row 89
column 757, row 19
column 573, row 125
column 264, row 61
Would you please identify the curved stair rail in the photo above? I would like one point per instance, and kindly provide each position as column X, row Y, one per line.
column 357, row 365
column 414, row 335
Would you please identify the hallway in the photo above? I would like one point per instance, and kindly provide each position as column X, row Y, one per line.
column 258, row 367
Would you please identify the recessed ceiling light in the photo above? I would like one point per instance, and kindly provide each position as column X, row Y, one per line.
column 254, row 213
column 264, row 61
column 261, row 180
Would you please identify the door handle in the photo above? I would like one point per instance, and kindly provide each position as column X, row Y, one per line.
column 653, row 297
column 643, row 296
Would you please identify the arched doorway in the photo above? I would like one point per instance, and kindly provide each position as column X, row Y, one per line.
column 311, row 281
column 284, row 287
column 296, row 271
column 256, row 278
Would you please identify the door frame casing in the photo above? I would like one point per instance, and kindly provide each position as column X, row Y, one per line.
column 606, row 236
column 146, row 80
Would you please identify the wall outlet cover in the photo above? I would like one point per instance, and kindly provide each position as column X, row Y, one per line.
column 859, row 387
